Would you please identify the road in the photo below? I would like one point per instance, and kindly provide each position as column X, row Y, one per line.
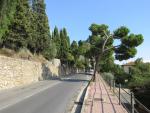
column 53, row 96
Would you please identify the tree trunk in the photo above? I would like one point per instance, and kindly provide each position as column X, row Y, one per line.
column 95, row 70
column 96, row 66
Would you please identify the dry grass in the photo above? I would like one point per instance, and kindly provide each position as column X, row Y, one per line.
column 22, row 54
column 7, row 52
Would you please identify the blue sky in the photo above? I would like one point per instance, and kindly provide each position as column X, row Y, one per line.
column 78, row 15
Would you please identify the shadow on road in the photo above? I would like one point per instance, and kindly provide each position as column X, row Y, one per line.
column 74, row 80
column 79, row 77
column 48, row 75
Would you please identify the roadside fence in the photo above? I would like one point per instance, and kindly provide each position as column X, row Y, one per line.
column 126, row 97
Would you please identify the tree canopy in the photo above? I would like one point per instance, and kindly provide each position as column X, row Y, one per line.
column 25, row 25
column 18, row 32
column 102, row 43
column 7, row 10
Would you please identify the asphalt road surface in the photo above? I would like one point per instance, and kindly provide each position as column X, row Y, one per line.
column 53, row 96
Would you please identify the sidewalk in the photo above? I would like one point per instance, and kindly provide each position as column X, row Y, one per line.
column 100, row 99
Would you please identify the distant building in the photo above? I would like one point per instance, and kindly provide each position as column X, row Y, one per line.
column 128, row 66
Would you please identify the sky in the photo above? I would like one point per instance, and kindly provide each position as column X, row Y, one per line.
column 77, row 15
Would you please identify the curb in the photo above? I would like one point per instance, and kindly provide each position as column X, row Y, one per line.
column 85, row 98
column 80, row 99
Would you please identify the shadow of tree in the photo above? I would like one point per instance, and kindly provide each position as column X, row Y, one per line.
column 63, row 71
column 47, row 74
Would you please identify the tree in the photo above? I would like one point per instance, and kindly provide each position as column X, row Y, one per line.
column 102, row 40
column 138, row 72
column 51, row 51
column 42, row 27
column 140, row 81
column 107, row 64
column 7, row 10
column 79, row 52
column 66, row 36
column 64, row 46
column 57, row 40
column 83, row 47
column 18, row 33
column 80, row 63
column 74, row 48
column 74, row 52
column 32, row 43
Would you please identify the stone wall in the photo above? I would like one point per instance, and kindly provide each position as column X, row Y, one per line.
column 18, row 72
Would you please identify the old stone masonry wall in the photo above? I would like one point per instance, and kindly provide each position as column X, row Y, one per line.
column 18, row 72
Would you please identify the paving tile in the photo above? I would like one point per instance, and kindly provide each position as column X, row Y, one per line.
column 101, row 99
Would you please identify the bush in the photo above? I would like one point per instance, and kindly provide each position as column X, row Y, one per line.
column 139, row 81
column 140, row 75
column 120, row 78
column 80, row 64
column 108, row 76
column 23, row 53
column 50, row 52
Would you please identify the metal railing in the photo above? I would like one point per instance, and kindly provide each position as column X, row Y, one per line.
column 126, row 98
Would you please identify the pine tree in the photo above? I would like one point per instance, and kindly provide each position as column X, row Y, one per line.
column 19, row 31
column 42, row 27
column 102, row 40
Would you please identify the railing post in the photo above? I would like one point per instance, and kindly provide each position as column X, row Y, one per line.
column 110, row 83
column 114, row 86
column 132, row 102
column 119, row 94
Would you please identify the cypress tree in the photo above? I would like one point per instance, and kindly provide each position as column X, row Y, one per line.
column 56, row 35
column 64, row 47
column 56, row 40
column 42, row 27
column 67, row 37
column 19, row 31
column 74, row 50
column 7, row 10
column 33, row 32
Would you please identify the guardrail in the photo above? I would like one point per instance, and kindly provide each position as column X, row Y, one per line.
column 126, row 98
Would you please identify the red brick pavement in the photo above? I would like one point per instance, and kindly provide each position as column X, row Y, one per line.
column 100, row 99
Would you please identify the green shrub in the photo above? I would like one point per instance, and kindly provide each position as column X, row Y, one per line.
column 80, row 64
column 108, row 76
column 140, row 82
column 50, row 52
column 121, row 78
